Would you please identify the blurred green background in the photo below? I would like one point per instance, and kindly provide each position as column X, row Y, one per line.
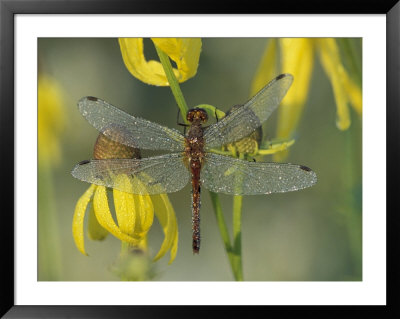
column 308, row 235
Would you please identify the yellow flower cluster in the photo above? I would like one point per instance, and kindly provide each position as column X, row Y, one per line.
column 297, row 58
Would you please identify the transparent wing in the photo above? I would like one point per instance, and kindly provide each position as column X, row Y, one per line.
column 136, row 132
column 223, row 174
column 154, row 175
column 244, row 120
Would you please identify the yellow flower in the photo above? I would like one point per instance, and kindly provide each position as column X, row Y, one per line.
column 134, row 213
column 297, row 58
column 50, row 120
column 252, row 145
column 185, row 52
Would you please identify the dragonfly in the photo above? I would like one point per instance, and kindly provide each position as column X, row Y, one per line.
column 190, row 156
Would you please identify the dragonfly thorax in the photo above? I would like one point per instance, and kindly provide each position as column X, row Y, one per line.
column 194, row 140
column 197, row 115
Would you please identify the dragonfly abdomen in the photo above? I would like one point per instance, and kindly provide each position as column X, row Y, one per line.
column 195, row 166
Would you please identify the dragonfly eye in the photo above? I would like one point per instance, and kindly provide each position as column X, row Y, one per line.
column 195, row 115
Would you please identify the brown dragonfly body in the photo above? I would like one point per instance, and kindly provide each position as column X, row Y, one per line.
column 194, row 150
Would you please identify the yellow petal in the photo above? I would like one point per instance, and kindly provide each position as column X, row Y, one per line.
column 297, row 59
column 51, row 119
column 166, row 216
column 95, row 230
column 125, row 209
column 150, row 72
column 330, row 60
column 78, row 219
column 174, row 248
column 104, row 217
column 134, row 212
column 276, row 147
column 353, row 92
column 185, row 53
column 342, row 110
column 144, row 207
column 267, row 69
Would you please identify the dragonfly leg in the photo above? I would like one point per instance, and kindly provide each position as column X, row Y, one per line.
column 181, row 124
column 177, row 120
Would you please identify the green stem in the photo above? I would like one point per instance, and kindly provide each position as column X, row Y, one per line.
column 353, row 214
column 237, row 229
column 173, row 82
column 225, row 236
column 237, row 236
column 221, row 221
column 124, row 248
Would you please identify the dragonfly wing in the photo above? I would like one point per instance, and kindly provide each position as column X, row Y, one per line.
column 244, row 120
column 223, row 174
column 154, row 175
column 136, row 132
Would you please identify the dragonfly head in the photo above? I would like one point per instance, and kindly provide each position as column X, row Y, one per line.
column 197, row 115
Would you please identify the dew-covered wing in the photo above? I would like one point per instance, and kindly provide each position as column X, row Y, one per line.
column 137, row 132
column 223, row 174
column 154, row 175
column 244, row 120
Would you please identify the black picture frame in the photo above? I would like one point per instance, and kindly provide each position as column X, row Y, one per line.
column 8, row 11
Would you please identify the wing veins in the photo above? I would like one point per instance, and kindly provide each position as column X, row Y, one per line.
column 244, row 120
column 160, row 174
column 136, row 132
column 239, row 177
